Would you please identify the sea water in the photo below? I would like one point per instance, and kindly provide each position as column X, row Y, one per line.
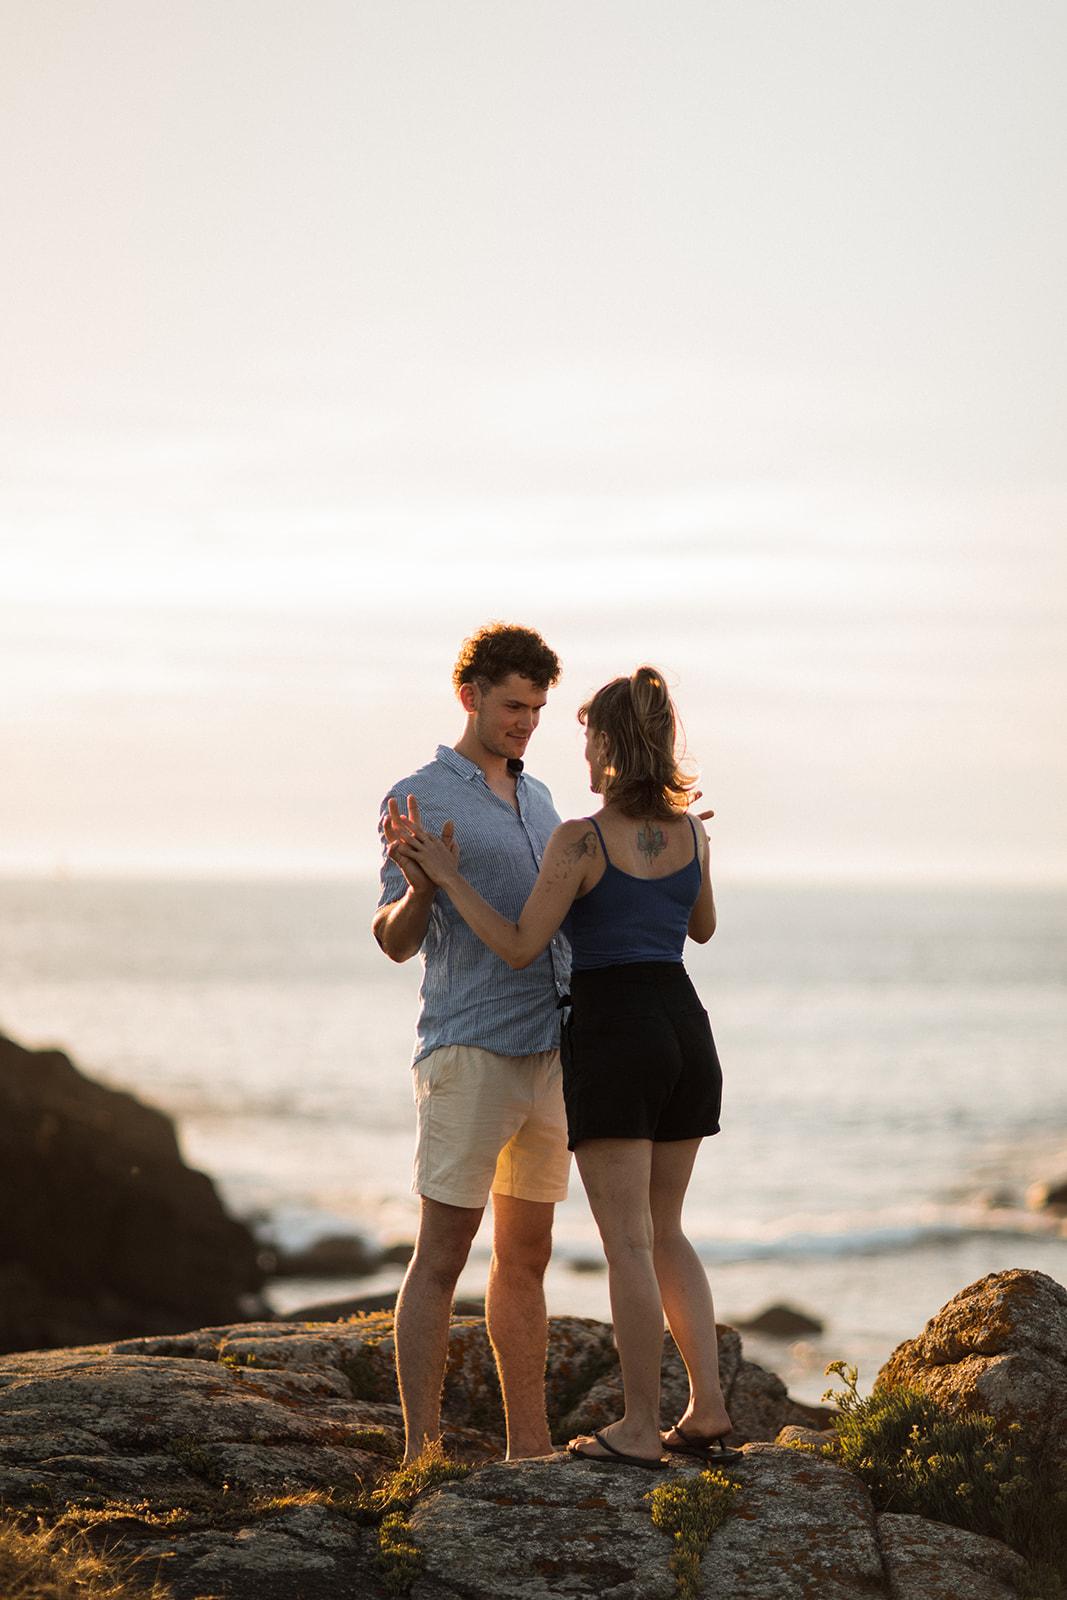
column 893, row 1063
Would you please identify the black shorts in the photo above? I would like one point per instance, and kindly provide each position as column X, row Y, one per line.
column 639, row 1061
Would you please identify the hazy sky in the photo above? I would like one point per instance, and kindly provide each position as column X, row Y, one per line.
column 729, row 336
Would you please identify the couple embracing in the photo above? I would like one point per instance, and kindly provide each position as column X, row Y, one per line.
column 521, row 919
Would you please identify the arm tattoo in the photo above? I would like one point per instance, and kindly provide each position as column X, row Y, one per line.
column 650, row 841
column 585, row 846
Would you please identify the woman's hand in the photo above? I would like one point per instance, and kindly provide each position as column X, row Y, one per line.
column 417, row 852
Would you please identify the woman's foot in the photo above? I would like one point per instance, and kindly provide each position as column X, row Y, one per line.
column 641, row 1446
column 703, row 1438
column 704, row 1424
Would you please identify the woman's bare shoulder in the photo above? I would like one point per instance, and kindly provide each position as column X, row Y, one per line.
column 575, row 839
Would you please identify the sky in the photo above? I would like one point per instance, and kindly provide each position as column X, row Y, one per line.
column 725, row 336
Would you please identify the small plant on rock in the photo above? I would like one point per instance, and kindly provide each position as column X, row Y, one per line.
column 691, row 1508
column 389, row 1503
column 918, row 1457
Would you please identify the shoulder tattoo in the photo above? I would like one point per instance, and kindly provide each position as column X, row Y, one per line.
column 585, row 846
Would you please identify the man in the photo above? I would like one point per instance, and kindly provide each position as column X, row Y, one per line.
column 487, row 1074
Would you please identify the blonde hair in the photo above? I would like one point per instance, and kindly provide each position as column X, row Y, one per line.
column 642, row 775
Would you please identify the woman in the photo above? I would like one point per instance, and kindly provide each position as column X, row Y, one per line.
column 641, row 1078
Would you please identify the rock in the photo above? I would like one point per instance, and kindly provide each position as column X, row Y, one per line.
column 526, row 1530
column 397, row 1254
column 999, row 1346
column 587, row 1264
column 801, row 1526
column 335, row 1255
column 804, row 1526
column 757, row 1401
column 227, row 1458
column 340, row 1310
column 782, row 1322
column 1050, row 1196
column 931, row 1561
column 229, row 1455
column 359, row 1305
column 104, row 1231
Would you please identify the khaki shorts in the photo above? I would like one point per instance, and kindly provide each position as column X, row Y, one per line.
column 489, row 1123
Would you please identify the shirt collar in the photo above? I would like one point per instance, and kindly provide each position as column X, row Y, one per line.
column 471, row 769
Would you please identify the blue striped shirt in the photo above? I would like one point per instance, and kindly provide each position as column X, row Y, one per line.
column 468, row 994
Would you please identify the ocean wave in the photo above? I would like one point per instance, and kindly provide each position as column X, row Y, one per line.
column 879, row 1236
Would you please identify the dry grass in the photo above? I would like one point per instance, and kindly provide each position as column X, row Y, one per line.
column 38, row 1563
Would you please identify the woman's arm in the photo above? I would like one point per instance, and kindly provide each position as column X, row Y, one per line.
column 702, row 916
column 569, row 854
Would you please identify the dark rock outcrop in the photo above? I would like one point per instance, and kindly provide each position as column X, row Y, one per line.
column 1048, row 1196
column 104, row 1231
column 782, row 1322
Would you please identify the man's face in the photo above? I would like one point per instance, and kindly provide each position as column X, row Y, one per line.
column 506, row 714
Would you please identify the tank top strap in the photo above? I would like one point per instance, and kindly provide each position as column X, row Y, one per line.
column 600, row 836
column 696, row 841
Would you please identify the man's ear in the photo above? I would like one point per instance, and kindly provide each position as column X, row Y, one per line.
column 469, row 697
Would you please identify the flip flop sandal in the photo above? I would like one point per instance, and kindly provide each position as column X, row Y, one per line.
column 705, row 1446
column 650, row 1463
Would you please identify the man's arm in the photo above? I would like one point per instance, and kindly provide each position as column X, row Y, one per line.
column 401, row 927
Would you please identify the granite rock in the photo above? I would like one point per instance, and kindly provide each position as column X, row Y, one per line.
column 931, row 1561
column 999, row 1346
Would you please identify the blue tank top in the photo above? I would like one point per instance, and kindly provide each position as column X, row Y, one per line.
column 624, row 919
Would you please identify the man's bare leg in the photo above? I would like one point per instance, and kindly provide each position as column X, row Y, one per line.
column 423, row 1313
column 516, row 1318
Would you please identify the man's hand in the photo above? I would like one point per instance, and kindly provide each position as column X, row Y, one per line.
column 401, row 829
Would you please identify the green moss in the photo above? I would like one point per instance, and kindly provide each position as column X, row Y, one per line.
column 399, row 1490
column 399, row 1558
column 389, row 1504
column 918, row 1457
column 193, row 1457
column 691, row 1508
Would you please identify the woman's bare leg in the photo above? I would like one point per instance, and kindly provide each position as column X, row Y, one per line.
column 616, row 1175
column 684, row 1287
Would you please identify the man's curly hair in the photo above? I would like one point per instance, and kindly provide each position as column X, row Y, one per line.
column 499, row 649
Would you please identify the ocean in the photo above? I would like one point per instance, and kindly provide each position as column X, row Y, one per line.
column 893, row 1062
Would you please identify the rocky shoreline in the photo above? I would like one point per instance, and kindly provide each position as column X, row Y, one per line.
column 230, row 1461
column 241, row 1460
